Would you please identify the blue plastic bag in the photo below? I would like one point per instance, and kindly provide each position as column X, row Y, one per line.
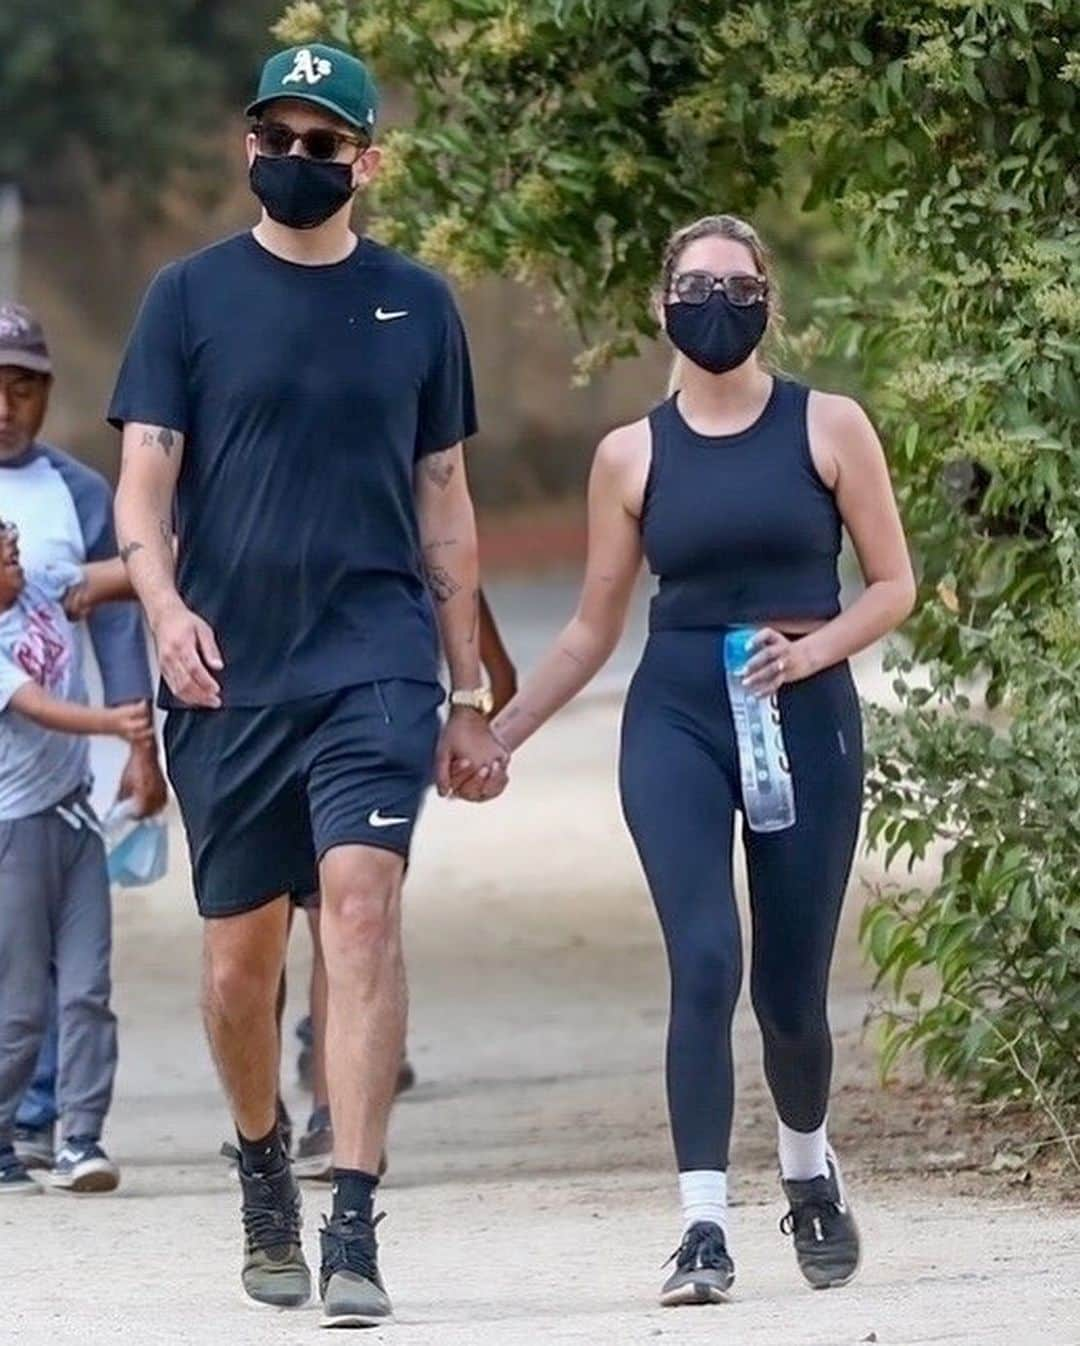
column 137, row 848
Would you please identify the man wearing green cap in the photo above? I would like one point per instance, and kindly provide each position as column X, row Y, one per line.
column 294, row 399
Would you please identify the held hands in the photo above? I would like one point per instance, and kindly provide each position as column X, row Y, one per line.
column 470, row 763
column 132, row 722
column 776, row 661
column 189, row 656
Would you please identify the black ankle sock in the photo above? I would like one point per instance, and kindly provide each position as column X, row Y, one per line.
column 262, row 1155
column 354, row 1192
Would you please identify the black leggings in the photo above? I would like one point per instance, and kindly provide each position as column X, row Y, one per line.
column 679, row 778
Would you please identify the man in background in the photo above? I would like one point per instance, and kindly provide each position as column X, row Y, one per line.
column 63, row 511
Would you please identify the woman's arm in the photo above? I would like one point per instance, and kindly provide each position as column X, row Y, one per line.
column 130, row 722
column 614, row 561
column 852, row 462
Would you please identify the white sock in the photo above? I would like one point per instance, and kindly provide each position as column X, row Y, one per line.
column 802, row 1153
column 704, row 1196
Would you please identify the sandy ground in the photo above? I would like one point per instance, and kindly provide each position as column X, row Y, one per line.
column 531, row 1195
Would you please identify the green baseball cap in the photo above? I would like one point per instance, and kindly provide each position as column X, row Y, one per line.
column 324, row 75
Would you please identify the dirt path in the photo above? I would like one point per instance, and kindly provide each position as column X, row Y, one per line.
column 531, row 1194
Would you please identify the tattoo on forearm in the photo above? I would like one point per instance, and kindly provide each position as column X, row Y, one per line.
column 574, row 658
column 129, row 550
column 165, row 530
column 439, row 468
column 441, row 544
column 442, row 584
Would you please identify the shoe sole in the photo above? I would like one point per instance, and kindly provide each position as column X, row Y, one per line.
column 97, row 1177
column 356, row 1319
column 20, row 1189
column 697, row 1292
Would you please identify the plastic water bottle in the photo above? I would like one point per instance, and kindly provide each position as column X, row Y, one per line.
column 137, row 849
column 768, row 792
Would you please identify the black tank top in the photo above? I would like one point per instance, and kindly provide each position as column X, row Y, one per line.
column 739, row 528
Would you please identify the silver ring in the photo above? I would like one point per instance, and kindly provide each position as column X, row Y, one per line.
column 779, row 665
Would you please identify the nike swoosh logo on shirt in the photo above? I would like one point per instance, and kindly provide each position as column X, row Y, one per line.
column 376, row 819
column 385, row 315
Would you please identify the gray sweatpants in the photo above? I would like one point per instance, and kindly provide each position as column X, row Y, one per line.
column 55, row 910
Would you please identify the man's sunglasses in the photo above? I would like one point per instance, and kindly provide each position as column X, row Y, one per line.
column 741, row 289
column 275, row 140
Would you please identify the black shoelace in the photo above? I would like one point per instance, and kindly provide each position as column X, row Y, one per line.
column 349, row 1245
column 702, row 1247
column 271, row 1209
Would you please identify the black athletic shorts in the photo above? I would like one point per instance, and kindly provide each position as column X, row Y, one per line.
column 266, row 791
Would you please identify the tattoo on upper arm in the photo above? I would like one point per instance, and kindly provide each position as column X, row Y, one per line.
column 165, row 530
column 163, row 437
column 439, row 468
column 442, row 584
column 129, row 549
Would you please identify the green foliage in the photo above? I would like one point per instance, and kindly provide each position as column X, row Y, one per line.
column 560, row 141
column 131, row 90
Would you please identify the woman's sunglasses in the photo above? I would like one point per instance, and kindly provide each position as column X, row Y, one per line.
column 741, row 289
column 275, row 140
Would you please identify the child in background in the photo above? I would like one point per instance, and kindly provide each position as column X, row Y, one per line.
column 56, row 909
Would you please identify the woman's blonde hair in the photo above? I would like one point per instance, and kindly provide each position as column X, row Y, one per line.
column 724, row 226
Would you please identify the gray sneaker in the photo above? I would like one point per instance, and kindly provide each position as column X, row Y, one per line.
column 274, row 1270
column 14, row 1179
column 34, row 1145
column 823, row 1228
column 315, row 1148
column 704, row 1271
column 81, row 1165
column 352, row 1290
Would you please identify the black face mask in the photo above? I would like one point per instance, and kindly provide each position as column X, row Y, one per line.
column 300, row 193
column 717, row 335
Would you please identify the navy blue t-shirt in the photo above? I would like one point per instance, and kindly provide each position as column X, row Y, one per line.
column 306, row 395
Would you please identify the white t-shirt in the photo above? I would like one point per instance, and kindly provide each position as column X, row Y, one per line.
column 40, row 767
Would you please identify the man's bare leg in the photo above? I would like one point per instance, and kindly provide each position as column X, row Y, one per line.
column 243, row 959
column 317, row 999
column 368, row 999
column 365, row 1036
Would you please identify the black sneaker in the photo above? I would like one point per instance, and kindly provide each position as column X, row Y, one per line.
column 703, row 1271
column 14, row 1179
column 823, row 1227
column 34, row 1145
column 352, row 1290
column 315, row 1148
column 81, row 1165
column 274, row 1270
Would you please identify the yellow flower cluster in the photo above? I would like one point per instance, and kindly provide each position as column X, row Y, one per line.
column 393, row 170
column 538, row 194
column 593, row 360
column 1060, row 628
column 1070, row 70
column 386, row 229
column 1060, row 304
column 930, row 382
column 370, row 34
column 994, row 448
column 507, row 37
column 624, row 168
column 934, row 59
column 527, row 266
column 703, row 111
column 303, row 21
column 743, row 30
column 445, row 245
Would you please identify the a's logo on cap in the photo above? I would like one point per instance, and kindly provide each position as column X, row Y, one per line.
column 14, row 326
column 308, row 69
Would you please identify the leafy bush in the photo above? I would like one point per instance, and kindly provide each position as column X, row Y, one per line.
column 560, row 142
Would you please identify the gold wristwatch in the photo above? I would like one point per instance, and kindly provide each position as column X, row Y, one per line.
column 479, row 698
